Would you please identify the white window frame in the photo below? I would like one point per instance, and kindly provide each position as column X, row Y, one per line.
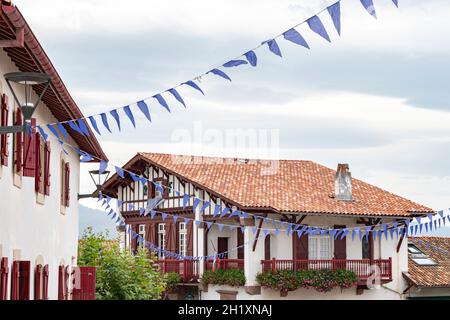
column 182, row 239
column 161, row 239
column 142, row 234
column 320, row 242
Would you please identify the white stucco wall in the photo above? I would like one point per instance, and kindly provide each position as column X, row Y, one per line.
column 31, row 228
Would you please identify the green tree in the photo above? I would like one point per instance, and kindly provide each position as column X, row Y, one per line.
column 120, row 275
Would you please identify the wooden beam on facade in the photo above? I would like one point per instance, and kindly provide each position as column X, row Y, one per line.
column 400, row 241
column 257, row 233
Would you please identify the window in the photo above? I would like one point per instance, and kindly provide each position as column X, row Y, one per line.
column 141, row 239
column 424, row 261
column 365, row 243
column 319, row 247
column 65, row 183
column 161, row 239
column 182, row 240
column 419, row 257
column 413, row 249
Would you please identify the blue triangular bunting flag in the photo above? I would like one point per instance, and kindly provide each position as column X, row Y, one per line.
column 177, row 96
column 105, row 121
column 192, row 84
column 94, row 125
column 273, row 47
column 295, row 37
column 144, row 109
column 251, row 58
column 316, row 25
column 234, row 63
column 335, row 13
column 368, row 5
column 116, row 117
column 220, row 73
column 120, row 172
column 129, row 114
column 162, row 101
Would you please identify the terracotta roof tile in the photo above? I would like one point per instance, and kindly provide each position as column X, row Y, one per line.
column 431, row 276
column 294, row 186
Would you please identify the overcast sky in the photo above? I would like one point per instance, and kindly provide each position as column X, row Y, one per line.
column 376, row 98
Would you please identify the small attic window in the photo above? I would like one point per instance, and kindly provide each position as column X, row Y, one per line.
column 243, row 160
column 424, row 261
column 413, row 249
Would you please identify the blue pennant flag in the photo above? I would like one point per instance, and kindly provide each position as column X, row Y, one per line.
column 144, row 109
column 234, row 63
column 129, row 114
column 54, row 131
column 395, row 2
column 42, row 132
column 368, row 5
column 63, row 130
column 163, row 216
column 152, row 214
column 335, row 13
column 224, row 212
column 141, row 211
column 175, row 218
column 234, row 213
column 242, row 229
column 116, row 117
column 344, row 234
column 418, row 219
column 192, row 84
column 266, row 232
column 86, row 157
column 380, row 234
column 220, row 73
column 120, row 203
column 441, row 213
column 130, row 207
column 208, row 224
column 83, row 127
column 134, row 177
column 216, row 210
column 74, row 127
column 316, row 25
column 354, row 231
column 94, row 125
column 295, row 37
column 204, row 207
column 251, row 58
column 426, row 227
column 385, row 230
column 186, row 198
column 162, row 101
column 186, row 220
column 120, row 172
column 105, row 121
column 177, row 96
column 273, row 47
column 277, row 231
column 196, row 203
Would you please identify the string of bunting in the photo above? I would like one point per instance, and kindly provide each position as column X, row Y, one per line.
column 248, row 58
column 167, row 254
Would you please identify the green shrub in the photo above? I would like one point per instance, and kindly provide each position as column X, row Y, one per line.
column 320, row 280
column 172, row 279
column 230, row 277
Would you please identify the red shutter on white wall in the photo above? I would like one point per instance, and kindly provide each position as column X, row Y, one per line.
column 29, row 151
column 47, row 168
column 19, row 142
column 15, row 280
column 4, row 278
column 61, row 283
column 66, row 282
column 38, row 282
column 67, row 184
column 38, row 165
column 24, row 280
column 4, row 137
column 45, row 283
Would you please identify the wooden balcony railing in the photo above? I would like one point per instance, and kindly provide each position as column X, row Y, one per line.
column 363, row 267
column 187, row 269
column 226, row 264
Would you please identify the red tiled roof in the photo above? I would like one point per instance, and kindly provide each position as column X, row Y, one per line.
column 32, row 58
column 431, row 276
column 295, row 186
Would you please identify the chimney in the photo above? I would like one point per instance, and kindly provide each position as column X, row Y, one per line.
column 343, row 183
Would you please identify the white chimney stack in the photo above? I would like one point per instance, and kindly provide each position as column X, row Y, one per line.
column 343, row 183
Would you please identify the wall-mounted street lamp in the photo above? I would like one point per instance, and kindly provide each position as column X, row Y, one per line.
column 26, row 80
column 99, row 179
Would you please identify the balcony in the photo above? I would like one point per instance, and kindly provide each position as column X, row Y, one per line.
column 361, row 267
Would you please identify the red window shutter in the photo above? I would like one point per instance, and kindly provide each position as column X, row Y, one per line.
column 24, row 280
column 38, row 282
column 45, row 283
column 4, row 278
column 67, row 184
column 240, row 243
column 340, row 245
column 4, row 137
column 19, row 142
column 300, row 246
column 29, row 151
column 38, row 166
column 15, row 280
column 61, row 283
column 47, row 168
column 66, row 282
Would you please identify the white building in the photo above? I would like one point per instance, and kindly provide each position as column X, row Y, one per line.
column 294, row 192
column 39, row 182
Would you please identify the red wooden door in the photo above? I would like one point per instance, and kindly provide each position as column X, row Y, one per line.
column 87, row 284
column 340, row 245
column 4, row 270
column 300, row 247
